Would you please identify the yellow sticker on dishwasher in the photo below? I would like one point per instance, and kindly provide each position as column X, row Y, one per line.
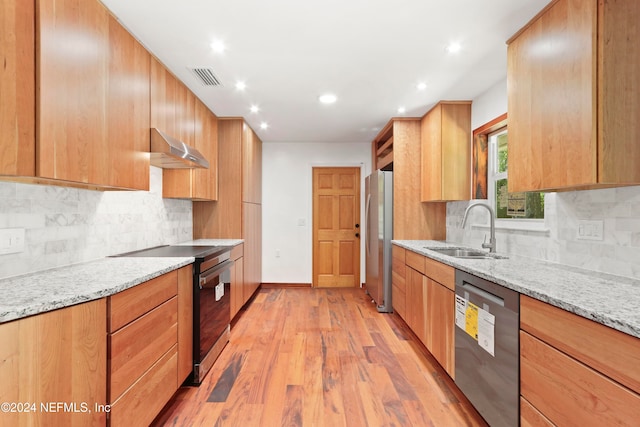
column 471, row 323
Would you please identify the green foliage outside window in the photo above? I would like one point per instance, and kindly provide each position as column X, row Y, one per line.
column 513, row 205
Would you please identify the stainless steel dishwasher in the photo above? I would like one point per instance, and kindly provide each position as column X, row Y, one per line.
column 487, row 348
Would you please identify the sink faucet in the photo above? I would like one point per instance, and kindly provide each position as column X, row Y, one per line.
column 492, row 240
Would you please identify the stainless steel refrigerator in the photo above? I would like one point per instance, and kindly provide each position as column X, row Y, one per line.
column 378, row 235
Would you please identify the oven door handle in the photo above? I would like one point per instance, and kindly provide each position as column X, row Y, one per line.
column 214, row 272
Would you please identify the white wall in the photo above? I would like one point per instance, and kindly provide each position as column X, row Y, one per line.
column 489, row 105
column 619, row 208
column 287, row 204
column 68, row 225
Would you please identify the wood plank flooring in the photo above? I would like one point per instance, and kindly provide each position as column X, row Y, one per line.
column 321, row 357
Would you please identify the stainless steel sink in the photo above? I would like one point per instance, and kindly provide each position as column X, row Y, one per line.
column 465, row 253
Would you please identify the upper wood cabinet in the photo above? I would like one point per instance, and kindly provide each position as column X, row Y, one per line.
column 176, row 111
column 446, row 151
column 17, row 88
column 72, row 59
column 252, row 166
column 127, row 110
column 412, row 219
column 574, row 97
column 87, row 125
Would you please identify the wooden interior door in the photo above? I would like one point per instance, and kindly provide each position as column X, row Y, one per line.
column 336, row 229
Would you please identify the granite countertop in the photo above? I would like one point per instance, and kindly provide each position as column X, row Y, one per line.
column 47, row 290
column 611, row 300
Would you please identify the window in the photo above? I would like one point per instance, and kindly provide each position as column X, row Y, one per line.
column 508, row 205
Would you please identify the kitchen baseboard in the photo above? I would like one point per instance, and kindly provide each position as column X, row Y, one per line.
column 285, row 285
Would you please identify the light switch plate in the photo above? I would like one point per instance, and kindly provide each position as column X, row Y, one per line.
column 11, row 240
column 590, row 229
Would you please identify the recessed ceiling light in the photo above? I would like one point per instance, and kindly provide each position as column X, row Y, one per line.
column 241, row 85
column 264, row 125
column 255, row 108
column 218, row 46
column 454, row 47
column 328, row 98
column 402, row 110
column 421, row 86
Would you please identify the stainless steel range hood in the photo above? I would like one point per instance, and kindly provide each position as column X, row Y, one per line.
column 170, row 153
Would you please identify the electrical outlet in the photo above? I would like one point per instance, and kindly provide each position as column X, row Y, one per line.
column 11, row 240
column 590, row 229
column 277, row 253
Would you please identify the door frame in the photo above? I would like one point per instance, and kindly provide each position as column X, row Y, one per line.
column 363, row 174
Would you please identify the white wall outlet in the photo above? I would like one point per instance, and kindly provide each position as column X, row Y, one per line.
column 302, row 222
column 277, row 253
column 11, row 240
column 590, row 229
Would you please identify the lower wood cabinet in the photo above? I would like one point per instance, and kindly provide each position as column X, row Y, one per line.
column 582, row 373
column 237, row 280
column 149, row 335
column 58, row 357
column 423, row 290
column 398, row 281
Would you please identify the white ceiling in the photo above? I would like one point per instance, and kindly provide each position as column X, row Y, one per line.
column 370, row 53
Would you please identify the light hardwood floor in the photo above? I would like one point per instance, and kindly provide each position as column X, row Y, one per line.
column 321, row 357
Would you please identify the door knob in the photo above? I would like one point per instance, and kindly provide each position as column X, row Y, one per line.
column 357, row 234
column 357, row 225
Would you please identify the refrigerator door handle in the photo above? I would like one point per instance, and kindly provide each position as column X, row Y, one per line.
column 366, row 224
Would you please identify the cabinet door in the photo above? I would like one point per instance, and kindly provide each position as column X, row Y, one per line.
column 17, row 88
column 398, row 281
column 163, row 99
column 251, row 166
column 552, row 99
column 72, row 63
column 58, row 356
column 440, row 324
column 128, row 110
column 416, row 303
column 205, row 181
column 446, row 152
column 251, row 233
column 237, row 287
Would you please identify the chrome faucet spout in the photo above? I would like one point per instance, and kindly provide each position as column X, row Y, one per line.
column 492, row 240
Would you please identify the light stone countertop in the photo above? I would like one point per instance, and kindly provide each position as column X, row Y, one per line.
column 47, row 290
column 611, row 300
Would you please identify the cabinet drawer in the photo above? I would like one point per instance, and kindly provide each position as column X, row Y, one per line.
column 606, row 350
column 137, row 346
column 570, row 393
column 237, row 251
column 128, row 305
column 415, row 261
column 441, row 273
column 140, row 404
column 531, row 417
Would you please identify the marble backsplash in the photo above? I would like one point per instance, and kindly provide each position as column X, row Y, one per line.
column 69, row 225
column 618, row 253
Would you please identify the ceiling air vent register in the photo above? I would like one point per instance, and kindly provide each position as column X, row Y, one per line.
column 206, row 77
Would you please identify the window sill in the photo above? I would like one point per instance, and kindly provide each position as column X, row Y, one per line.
column 521, row 227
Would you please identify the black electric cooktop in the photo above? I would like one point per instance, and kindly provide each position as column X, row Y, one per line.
column 198, row 252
